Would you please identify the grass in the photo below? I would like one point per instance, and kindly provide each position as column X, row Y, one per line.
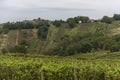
column 12, row 35
column 55, row 34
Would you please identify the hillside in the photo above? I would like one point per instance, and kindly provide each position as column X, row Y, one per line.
column 59, row 36
column 87, row 51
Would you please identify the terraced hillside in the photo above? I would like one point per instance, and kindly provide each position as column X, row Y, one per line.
column 56, row 34
column 16, row 36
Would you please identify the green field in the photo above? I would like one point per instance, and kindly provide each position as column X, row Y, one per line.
column 89, row 66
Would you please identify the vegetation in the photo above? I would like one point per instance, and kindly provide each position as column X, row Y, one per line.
column 73, row 36
column 58, row 23
column 116, row 17
column 106, row 19
column 78, row 49
column 95, row 66
column 25, row 25
column 42, row 32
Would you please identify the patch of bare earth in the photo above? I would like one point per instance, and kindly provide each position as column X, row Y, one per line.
column 114, row 31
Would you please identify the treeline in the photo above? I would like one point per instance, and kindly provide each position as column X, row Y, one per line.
column 41, row 22
column 84, row 19
column 109, row 20
column 25, row 25
column 72, row 21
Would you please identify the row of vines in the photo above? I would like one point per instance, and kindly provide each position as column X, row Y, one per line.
column 49, row 68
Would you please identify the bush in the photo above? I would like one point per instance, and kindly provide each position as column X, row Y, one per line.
column 42, row 32
column 58, row 23
column 73, row 49
column 116, row 17
column 115, row 48
column 71, row 22
column 16, row 49
column 106, row 19
column 86, row 47
column 4, row 51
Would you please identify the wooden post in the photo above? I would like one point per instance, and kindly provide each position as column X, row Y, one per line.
column 42, row 75
column 17, row 37
column 75, row 76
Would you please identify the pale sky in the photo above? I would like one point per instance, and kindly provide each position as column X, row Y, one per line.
column 15, row 10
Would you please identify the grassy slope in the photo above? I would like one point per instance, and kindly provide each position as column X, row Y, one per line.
column 12, row 35
column 55, row 34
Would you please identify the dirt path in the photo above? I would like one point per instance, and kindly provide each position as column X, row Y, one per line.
column 34, row 32
column 114, row 31
column 17, row 37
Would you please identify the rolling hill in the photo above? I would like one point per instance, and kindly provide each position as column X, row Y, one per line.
column 55, row 34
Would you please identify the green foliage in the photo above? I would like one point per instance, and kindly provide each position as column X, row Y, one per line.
column 58, row 23
column 79, row 38
column 18, row 25
column 106, row 19
column 17, row 49
column 4, row 31
column 94, row 66
column 25, row 25
column 73, row 49
column 24, row 43
column 86, row 47
column 115, row 48
column 41, row 24
column 4, row 51
column 83, row 19
column 71, row 22
column 42, row 32
column 116, row 17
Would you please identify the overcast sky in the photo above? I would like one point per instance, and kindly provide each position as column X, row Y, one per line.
column 15, row 10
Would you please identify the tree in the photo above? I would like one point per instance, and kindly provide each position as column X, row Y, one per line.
column 107, row 19
column 115, row 48
column 116, row 17
column 58, row 23
column 42, row 32
column 71, row 22
column 20, row 49
column 83, row 19
column 86, row 47
column 42, row 23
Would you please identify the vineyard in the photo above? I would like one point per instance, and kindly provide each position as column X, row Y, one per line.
column 94, row 66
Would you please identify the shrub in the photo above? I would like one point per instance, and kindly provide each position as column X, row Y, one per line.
column 42, row 32
column 72, row 49
column 115, row 48
column 16, row 49
column 106, row 19
column 4, row 51
column 86, row 47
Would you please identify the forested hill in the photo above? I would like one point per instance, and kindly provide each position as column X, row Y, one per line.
column 73, row 36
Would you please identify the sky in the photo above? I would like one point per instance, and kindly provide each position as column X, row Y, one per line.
column 17, row 10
